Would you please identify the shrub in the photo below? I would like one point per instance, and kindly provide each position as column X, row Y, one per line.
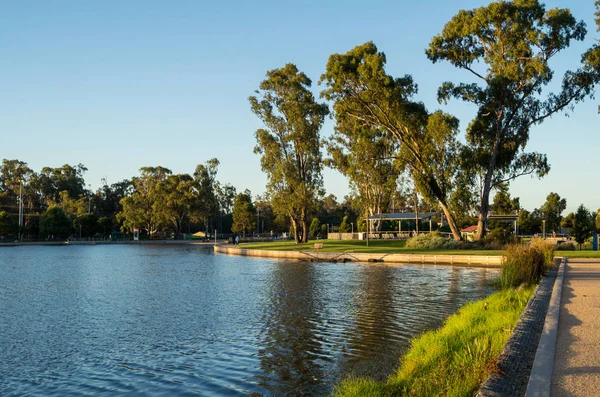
column 566, row 246
column 546, row 248
column 524, row 264
column 431, row 241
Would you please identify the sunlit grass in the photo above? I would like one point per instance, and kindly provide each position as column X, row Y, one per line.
column 578, row 254
column 375, row 246
column 457, row 358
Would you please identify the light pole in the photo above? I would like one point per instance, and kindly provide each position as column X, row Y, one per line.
column 90, row 199
column 544, row 228
column 352, row 224
column 20, row 210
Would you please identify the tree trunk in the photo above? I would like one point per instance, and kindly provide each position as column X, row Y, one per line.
column 451, row 222
column 484, row 208
column 295, row 226
column 304, row 232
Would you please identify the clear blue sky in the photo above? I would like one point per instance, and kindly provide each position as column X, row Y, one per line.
column 117, row 85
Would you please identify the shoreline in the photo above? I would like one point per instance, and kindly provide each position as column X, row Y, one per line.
column 318, row 256
column 142, row 242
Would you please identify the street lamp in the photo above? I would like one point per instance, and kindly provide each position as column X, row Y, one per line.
column 352, row 223
column 544, row 228
column 20, row 236
column 258, row 220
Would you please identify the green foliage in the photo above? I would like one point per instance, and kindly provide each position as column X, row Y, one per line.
column 207, row 204
column 524, row 264
column 344, row 226
column 583, row 225
column 435, row 241
column 87, row 224
column 289, row 144
column 244, row 213
column 315, row 227
column 8, row 226
column 105, row 225
column 547, row 249
column 175, row 199
column 566, row 246
column 375, row 110
column 55, row 222
column 51, row 182
column 139, row 209
column 506, row 47
column 552, row 211
column 454, row 360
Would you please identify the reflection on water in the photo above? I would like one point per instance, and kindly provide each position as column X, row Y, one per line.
column 181, row 320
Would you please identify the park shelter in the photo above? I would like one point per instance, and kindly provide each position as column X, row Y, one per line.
column 402, row 216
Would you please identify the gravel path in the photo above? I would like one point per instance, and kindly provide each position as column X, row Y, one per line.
column 576, row 369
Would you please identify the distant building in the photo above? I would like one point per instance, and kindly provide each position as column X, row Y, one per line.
column 468, row 233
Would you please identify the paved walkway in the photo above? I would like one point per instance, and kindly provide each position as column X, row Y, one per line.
column 576, row 369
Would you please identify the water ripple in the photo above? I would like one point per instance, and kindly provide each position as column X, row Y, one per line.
column 158, row 320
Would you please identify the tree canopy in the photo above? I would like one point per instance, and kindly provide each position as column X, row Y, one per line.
column 289, row 144
column 507, row 47
column 365, row 96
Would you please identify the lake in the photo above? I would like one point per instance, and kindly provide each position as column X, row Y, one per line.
column 181, row 320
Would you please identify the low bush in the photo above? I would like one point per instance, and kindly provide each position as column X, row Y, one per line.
column 566, row 246
column 431, row 241
column 525, row 264
column 546, row 248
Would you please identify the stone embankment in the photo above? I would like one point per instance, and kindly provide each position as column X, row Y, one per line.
column 348, row 256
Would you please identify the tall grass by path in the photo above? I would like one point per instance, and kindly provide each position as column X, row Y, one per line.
column 456, row 359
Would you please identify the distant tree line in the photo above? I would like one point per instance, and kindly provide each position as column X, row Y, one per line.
column 394, row 151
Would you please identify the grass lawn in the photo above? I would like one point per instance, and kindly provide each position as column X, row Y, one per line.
column 454, row 360
column 390, row 246
column 375, row 246
column 578, row 254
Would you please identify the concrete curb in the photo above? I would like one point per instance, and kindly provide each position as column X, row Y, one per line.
column 541, row 372
column 348, row 256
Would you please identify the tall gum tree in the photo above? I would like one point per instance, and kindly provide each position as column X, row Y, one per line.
column 289, row 144
column 364, row 156
column 507, row 47
column 362, row 91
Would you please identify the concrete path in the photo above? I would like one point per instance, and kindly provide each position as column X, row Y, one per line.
column 576, row 369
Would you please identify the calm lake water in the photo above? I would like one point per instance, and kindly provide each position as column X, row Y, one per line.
column 180, row 320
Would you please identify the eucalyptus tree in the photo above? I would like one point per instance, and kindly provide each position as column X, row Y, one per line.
column 507, row 47
column 552, row 211
column 55, row 223
column 174, row 201
column 225, row 195
column 244, row 213
column 591, row 58
column 583, row 225
column 207, row 203
column 365, row 156
column 289, row 144
column 51, row 181
column 18, row 180
column 363, row 94
column 138, row 209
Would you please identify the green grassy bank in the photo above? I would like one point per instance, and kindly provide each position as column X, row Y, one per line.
column 455, row 359
column 391, row 246
column 375, row 246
